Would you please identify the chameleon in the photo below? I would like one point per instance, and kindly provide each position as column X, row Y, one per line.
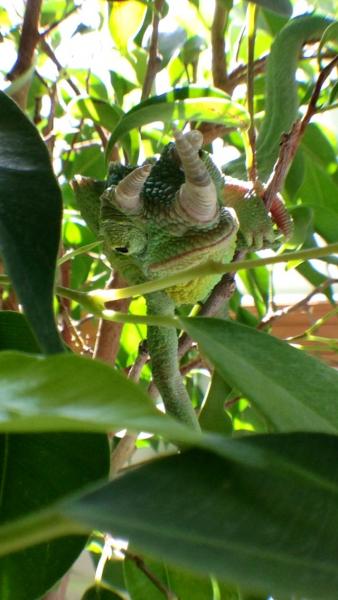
column 175, row 212
column 166, row 216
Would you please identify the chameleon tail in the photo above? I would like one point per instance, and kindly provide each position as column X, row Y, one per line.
column 281, row 100
column 163, row 344
column 281, row 89
column 281, row 216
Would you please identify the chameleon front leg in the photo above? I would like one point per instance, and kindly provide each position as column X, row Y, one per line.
column 163, row 345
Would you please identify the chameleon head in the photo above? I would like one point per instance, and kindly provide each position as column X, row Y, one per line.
column 168, row 217
column 162, row 218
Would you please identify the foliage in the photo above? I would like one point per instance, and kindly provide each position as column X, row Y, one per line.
column 246, row 508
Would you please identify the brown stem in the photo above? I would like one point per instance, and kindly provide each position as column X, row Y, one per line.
column 126, row 446
column 218, row 29
column 153, row 59
column 58, row 22
column 28, row 41
column 48, row 134
column 290, row 141
column 108, row 335
column 65, row 274
column 139, row 562
column 49, row 52
column 303, row 303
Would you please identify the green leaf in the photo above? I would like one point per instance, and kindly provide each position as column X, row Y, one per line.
column 319, row 192
column 188, row 585
column 36, row 471
column 281, row 7
column 73, row 393
column 101, row 592
column 125, row 20
column 16, row 334
column 270, row 527
column 330, row 35
column 30, row 215
column 292, row 389
column 189, row 103
column 139, row 585
column 213, row 416
column 302, row 217
column 184, row 585
column 101, row 112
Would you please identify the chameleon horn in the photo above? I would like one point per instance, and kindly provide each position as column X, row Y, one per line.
column 127, row 192
column 197, row 196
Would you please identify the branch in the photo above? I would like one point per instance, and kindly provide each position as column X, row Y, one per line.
column 59, row 21
column 48, row 50
column 303, row 303
column 290, row 141
column 28, row 42
column 97, row 298
column 139, row 562
column 109, row 333
column 154, row 59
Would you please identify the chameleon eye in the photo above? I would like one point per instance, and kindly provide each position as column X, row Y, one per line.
column 122, row 250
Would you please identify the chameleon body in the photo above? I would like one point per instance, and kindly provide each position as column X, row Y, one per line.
column 164, row 217
column 179, row 211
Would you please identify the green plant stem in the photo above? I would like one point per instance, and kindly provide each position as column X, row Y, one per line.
column 251, row 147
column 208, row 269
column 77, row 251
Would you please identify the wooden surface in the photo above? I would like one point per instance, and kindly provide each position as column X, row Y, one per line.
column 296, row 323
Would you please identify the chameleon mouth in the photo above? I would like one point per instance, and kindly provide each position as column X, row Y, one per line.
column 218, row 250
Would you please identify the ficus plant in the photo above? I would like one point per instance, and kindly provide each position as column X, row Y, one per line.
column 148, row 417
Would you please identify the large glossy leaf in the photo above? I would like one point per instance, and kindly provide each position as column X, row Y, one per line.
column 125, row 20
column 36, row 471
column 15, row 333
column 72, row 393
column 293, row 390
column 270, row 527
column 182, row 584
column 30, row 214
column 189, row 103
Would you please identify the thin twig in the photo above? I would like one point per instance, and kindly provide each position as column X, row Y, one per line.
column 59, row 21
column 126, row 446
column 65, row 275
column 48, row 134
column 290, row 141
column 49, row 52
column 28, row 41
column 139, row 562
column 153, row 58
column 303, row 303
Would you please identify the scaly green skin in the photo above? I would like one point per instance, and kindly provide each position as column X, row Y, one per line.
column 159, row 238
column 281, row 98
